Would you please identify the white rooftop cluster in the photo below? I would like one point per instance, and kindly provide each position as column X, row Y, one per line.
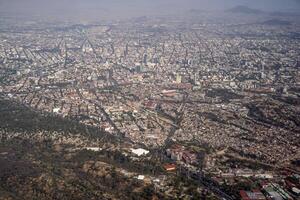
column 139, row 151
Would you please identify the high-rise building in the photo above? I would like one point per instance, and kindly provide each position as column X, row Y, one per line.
column 109, row 75
column 178, row 78
column 139, row 68
column 285, row 89
column 145, row 59
column 263, row 74
column 196, row 78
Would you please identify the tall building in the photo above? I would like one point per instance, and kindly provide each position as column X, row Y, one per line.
column 285, row 90
column 139, row 68
column 178, row 78
column 109, row 75
column 196, row 78
column 263, row 74
column 145, row 59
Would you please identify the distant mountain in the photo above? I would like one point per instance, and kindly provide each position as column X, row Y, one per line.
column 284, row 14
column 141, row 19
column 276, row 22
column 244, row 10
column 196, row 11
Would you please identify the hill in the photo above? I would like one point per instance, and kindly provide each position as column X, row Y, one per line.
column 244, row 10
column 43, row 156
column 276, row 22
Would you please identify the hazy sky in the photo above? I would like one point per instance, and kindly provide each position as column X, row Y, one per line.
column 130, row 8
